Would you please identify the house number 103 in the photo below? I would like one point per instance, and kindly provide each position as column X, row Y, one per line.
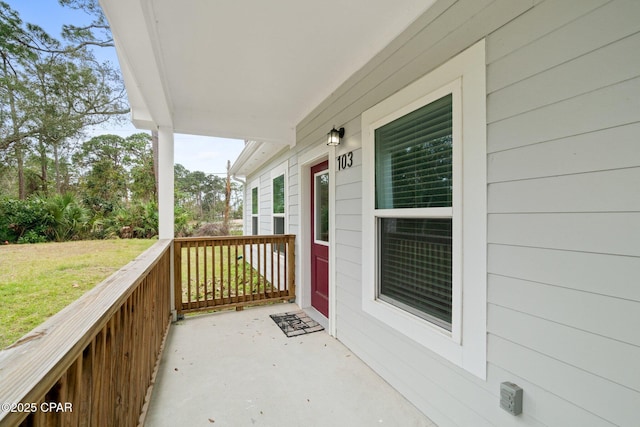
column 345, row 161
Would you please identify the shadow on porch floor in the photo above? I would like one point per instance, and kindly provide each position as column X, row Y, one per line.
column 239, row 369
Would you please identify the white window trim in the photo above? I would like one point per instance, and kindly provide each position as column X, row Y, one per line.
column 464, row 76
column 254, row 184
column 281, row 169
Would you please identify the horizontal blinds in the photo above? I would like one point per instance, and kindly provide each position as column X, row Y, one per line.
column 415, row 266
column 413, row 158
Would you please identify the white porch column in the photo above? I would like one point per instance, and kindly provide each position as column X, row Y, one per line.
column 165, row 183
column 165, row 198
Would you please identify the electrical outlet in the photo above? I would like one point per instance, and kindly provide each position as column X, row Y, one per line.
column 511, row 398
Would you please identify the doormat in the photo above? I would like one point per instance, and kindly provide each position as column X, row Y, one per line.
column 296, row 323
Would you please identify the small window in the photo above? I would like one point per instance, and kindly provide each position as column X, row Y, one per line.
column 279, row 202
column 254, row 211
column 278, row 195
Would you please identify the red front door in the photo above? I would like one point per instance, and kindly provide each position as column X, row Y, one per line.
column 320, row 237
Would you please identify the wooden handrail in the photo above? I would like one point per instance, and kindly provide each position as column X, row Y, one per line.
column 239, row 239
column 96, row 357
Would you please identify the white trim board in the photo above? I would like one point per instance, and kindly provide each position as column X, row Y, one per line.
column 466, row 344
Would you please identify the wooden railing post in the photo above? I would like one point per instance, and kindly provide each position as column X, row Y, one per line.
column 177, row 276
column 291, row 266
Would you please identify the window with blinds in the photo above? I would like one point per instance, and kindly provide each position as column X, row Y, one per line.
column 413, row 170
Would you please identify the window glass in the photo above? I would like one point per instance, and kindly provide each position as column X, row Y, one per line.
column 321, row 188
column 278, row 194
column 278, row 225
column 278, row 228
column 413, row 158
column 413, row 169
column 415, row 266
column 254, row 201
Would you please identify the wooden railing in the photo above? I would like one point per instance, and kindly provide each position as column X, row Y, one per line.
column 222, row 272
column 94, row 362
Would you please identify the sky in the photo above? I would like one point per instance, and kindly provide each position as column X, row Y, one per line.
column 196, row 153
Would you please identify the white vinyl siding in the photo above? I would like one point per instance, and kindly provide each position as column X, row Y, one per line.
column 563, row 182
column 564, row 209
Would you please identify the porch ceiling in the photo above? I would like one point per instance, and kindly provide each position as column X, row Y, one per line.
column 246, row 69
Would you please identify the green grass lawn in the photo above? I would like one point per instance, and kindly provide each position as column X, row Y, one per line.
column 37, row 281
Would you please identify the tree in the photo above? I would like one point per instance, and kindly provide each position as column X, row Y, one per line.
column 107, row 162
column 143, row 185
column 19, row 43
column 205, row 196
column 52, row 91
column 97, row 33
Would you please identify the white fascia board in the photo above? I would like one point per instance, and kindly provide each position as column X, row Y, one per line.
column 246, row 153
column 134, row 38
column 253, row 156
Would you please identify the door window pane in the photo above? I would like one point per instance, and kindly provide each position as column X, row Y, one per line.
column 321, row 206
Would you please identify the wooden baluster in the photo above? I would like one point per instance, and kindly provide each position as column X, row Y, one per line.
column 251, row 269
column 235, row 257
column 189, row 275
column 228, row 301
column 271, row 255
column 280, row 247
column 221, row 272
column 214, row 285
column 204, row 258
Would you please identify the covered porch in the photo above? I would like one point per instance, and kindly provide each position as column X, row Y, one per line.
column 114, row 357
column 239, row 369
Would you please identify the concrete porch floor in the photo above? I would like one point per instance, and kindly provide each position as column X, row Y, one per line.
column 239, row 369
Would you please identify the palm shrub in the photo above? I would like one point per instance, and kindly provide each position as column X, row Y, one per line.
column 69, row 219
column 139, row 220
column 147, row 224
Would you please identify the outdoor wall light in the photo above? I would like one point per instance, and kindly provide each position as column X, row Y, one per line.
column 333, row 137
